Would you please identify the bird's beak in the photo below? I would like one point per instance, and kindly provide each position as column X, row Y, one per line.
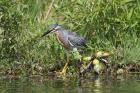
column 46, row 33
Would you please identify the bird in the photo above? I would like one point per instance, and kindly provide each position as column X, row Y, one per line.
column 70, row 41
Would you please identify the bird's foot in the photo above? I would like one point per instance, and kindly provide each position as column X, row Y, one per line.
column 62, row 73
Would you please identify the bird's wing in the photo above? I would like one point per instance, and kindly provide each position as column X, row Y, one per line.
column 76, row 41
column 69, row 33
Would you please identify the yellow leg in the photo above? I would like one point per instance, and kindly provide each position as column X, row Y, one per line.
column 64, row 70
column 76, row 56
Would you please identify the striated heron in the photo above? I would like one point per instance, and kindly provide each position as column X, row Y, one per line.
column 69, row 40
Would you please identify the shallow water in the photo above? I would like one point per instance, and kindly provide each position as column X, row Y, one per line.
column 121, row 84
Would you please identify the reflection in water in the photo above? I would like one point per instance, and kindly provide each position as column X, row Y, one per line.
column 98, row 86
column 44, row 85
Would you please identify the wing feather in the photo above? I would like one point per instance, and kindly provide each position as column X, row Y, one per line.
column 77, row 41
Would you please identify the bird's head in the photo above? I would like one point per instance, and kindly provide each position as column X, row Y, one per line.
column 52, row 28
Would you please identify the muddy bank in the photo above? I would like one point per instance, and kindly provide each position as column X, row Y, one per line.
column 38, row 69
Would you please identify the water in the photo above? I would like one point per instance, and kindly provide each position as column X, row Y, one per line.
column 129, row 84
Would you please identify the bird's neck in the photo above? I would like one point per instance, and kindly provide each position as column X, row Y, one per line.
column 58, row 37
column 56, row 33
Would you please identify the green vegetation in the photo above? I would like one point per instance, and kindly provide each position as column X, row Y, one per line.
column 110, row 25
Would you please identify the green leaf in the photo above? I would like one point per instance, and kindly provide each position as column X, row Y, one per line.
column 129, row 15
column 126, row 1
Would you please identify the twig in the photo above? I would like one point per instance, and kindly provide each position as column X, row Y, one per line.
column 49, row 10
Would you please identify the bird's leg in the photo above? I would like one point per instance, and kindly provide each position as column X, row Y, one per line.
column 63, row 72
